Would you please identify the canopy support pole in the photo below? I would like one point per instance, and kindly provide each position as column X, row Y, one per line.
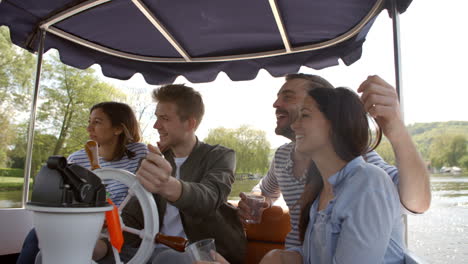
column 396, row 51
column 398, row 77
column 32, row 119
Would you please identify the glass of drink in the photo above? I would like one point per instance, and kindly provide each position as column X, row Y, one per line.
column 255, row 202
column 201, row 250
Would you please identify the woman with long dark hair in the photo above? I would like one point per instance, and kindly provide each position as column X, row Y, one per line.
column 355, row 217
column 350, row 209
column 115, row 129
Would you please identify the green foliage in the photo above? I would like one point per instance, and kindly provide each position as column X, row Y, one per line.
column 7, row 136
column 65, row 97
column 458, row 149
column 8, row 184
column 463, row 162
column 16, row 73
column 68, row 95
column 43, row 146
column 16, row 76
column 424, row 133
column 442, row 143
column 385, row 150
column 241, row 186
column 251, row 146
column 11, row 172
column 438, row 151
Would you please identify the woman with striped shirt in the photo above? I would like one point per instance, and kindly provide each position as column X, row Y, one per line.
column 115, row 128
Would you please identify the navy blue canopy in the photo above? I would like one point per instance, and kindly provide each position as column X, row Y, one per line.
column 163, row 39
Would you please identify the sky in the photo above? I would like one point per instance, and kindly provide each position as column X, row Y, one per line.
column 434, row 54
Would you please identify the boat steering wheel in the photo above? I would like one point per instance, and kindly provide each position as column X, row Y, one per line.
column 148, row 207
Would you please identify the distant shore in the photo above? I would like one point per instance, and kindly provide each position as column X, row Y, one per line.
column 463, row 174
column 12, row 183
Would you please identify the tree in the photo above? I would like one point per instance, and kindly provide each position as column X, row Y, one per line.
column 457, row 150
column 16, row 73
column 68, row 95
column 463, row 162
column 144, row 107
column 6, row 137
column 43, row 145
column 425, row 134
column 251, row 146
column 16, row 76
column 448, row 150
column 438, row 151
column 65, row 97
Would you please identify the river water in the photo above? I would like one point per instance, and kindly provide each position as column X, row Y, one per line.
column 438, row 236
column 441, row 234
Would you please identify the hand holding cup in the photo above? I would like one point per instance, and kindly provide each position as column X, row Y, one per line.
column 251, row 207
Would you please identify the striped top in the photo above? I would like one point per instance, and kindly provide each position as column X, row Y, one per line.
column 117, row 190
column 280, row 180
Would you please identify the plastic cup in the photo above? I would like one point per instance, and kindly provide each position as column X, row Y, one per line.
column 255, row 202
column 200, row 250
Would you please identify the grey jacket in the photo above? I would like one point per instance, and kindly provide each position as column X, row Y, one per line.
column 206, row 177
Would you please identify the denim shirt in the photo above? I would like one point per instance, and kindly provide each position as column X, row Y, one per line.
column 362, row 224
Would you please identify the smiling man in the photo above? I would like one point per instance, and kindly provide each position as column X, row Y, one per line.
column 190, row 183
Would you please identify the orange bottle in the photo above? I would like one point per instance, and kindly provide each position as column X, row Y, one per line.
column 113, row 226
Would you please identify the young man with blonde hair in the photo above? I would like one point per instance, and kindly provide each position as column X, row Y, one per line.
column 190, row 181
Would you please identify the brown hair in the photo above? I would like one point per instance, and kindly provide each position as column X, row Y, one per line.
column 121, row 115
column 351, row 137
column 188, row 101
column 315, row 80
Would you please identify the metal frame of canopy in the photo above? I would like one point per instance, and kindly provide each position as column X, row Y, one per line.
column 47, row 26
column 238, row 38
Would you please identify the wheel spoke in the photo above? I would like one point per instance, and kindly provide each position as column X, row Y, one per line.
column 149, row 213
column 125, row 201
column 133, row 230
column 116, row 256
column 133, row 187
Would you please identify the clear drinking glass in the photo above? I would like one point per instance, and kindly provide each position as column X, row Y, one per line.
column 255, row 202
column 200, row 250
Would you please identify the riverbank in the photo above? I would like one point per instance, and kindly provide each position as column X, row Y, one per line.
column 12, row 184
column 464, row 174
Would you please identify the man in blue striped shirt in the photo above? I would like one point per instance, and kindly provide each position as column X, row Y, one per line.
column 287, row 171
